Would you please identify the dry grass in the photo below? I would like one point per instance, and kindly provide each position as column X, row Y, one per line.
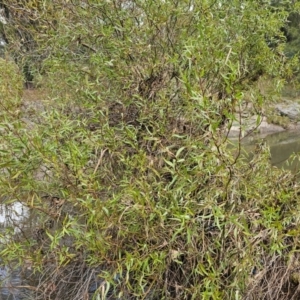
column 34, row 95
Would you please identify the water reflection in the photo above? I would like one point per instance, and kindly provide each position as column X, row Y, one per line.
column 12, row 216
column 11, row 279
column 282, row 147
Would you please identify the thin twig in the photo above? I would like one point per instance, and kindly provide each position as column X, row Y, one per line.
column 99, row 160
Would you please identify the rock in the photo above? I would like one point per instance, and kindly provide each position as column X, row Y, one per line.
column 289, row 109
column 265, row 127
column 294, row 126
column 252, row 124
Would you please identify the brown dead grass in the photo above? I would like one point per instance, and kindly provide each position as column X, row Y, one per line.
column 34, row 94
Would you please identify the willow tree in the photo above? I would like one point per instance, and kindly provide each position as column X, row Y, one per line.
column 127, row 170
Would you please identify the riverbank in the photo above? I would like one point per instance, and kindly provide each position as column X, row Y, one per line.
column 279, row 117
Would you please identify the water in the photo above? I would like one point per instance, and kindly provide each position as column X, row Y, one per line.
column 12, row 216
column 283, row 145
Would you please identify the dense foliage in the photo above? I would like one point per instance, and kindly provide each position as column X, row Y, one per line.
column 133, row 189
